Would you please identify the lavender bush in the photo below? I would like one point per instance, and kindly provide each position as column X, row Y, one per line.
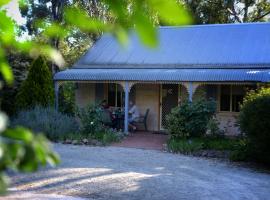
column 53, row 124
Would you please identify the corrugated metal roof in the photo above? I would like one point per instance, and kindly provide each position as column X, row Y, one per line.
column 165, row 75
column 201, row 46
column 231, row 52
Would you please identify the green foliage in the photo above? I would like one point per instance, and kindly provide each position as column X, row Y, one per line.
column 107, row 136
column 19, row 65
column 184, row 146
column 51, row 12
column 213, row 128
column 222, row 12
column 190, row 119
column 67, row 98
column 23, row 152
column 37, row 89
column 93, row 120
column 254, row 122
column 187, row 146
column 90, row 119
column 126, row 14
column 46, row 120
column 241, row 151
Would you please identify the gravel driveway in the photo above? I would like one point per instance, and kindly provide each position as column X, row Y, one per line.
column 124, row 173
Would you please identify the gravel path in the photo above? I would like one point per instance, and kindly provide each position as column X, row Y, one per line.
column 123, row 173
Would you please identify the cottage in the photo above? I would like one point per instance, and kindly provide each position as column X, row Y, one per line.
column 203, row 61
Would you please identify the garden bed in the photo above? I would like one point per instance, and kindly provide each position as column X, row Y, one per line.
column 223, row 148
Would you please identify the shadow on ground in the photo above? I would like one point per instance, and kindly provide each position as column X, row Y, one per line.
column 124, row 173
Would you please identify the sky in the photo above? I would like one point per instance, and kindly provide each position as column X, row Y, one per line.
column 13, row 11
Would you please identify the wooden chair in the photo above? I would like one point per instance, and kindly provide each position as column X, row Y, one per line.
column 143, row 119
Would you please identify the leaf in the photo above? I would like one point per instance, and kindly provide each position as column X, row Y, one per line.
column 81, row 20
column 6, row 72
column 53, row 159
column 146, row 30
column 170, row 12
column 18, row 133
column 4, row 181
column 121, row 36
column 4, row 2
column 54, row 30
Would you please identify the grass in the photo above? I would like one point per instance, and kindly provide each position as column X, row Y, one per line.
column 188, row 146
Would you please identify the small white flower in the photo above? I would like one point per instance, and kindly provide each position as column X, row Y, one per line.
column 91, row 123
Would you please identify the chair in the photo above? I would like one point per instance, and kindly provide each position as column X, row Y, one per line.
column 143, row 119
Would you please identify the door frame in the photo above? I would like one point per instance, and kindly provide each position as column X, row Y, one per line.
column 160, row 102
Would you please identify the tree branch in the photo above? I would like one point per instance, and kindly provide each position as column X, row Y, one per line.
column 233, row 12
column 261, row 16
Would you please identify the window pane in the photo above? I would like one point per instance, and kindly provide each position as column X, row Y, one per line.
column 238, row 92
column 119, row 99
column 236, row 101
column 111, row 95
column 225, row 98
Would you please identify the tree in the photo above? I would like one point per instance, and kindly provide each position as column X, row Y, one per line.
column 37, row 89
column 254, row 122
column 19, row 65
column 231, row 11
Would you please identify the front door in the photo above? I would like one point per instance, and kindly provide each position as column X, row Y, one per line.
column 169, row 100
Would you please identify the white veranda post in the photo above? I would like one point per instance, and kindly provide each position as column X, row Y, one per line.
column 56, row 93
column 190, row 91
column 126, row 106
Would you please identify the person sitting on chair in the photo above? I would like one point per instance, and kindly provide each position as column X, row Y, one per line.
column 134, row 115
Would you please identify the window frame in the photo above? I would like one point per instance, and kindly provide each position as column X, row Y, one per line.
column 231, row 98
column 116, row 90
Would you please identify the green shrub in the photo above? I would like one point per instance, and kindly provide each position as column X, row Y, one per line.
column 190, row 119
column 213, row 129
column 67, row 98
column 254, row 120
column 107, row 136
column 90, row 119
column 218, row 143
column 37, row 89
column 184, row 146
column 187, row 146
column 240, row 152
column 46, row 120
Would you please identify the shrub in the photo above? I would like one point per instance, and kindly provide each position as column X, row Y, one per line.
column 90, row 119
column 213, row 129
column 67, row 98
column 240, row 152
column 190, row 119
column 254, row 120
column 37, row 89
column 191, row 145
column 184, row 146
column 46, row 120
column 107, row 136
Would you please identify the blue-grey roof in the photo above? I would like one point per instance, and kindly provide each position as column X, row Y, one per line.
column 201, row 46
column 225, row 52
column 163, row 75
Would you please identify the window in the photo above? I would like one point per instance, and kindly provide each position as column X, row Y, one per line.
column 231, row 96
column 225, row 97
column 115, row 95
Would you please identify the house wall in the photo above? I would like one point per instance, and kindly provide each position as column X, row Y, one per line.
column 227, row 120
column 147, row 96
column 228, row 123
column 85, row 94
